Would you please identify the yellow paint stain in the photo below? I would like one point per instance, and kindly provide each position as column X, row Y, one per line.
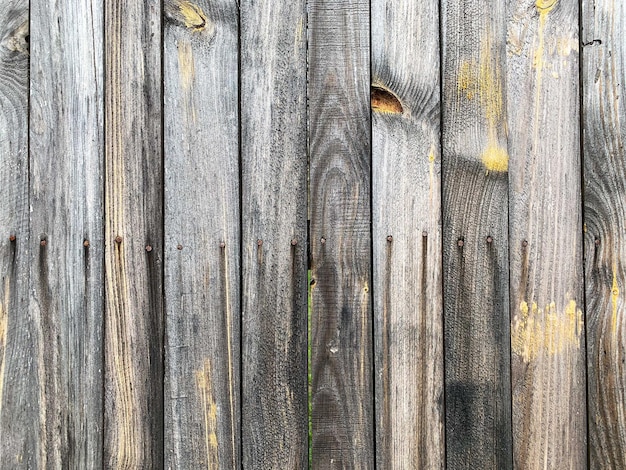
column 545, row 331
column 614, row 298
column 484, row 80
column 186, row 64
column 4, row 323
column 209, row 408
column 495, row 158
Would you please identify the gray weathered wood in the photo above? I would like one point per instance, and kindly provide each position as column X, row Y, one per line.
column 547, row 330
column 604, row 128
column 19, row 432
column 475, row 260
column 201, row 234
column 66, row 269
column 274, row 213
column 133, row 220
column 341, row 345
column 407, row 207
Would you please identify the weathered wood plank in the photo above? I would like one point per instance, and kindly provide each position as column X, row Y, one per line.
column 547, row 331
column 201, row 234
column 475, row 241
column 604, row 121
column 274, row 225
column 19, row 432
column 67, row 243
column 341, row 348
column 133, row 220
column 406, row 195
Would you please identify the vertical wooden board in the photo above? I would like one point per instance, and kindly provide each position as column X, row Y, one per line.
column 274, row 224
column 475, row 240
column 133, row 221
column 406, row 195
column 66, row 208
column 19, row 432
column 604, row 121
column 201, row 234
column 547, row 330
column 340, row 193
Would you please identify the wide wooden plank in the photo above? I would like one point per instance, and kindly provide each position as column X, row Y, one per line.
column 133, row 221
column 340, row 198
column 19, row 411
column 67, row 243
column 406, row 195
column 475, row 242
column 604, row 129
column 274, row 233
column 547, row 330
column 201, row 234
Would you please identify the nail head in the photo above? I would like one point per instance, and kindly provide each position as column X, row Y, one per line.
column 322, row 240
column 43, row 242
column 12, row 238
column 148, row 248
column 259, row 242
column 524, row 243
column 118, row 239
column 222, row 245
column 294, row 242
column 86, row 243
column 179, row 247
column 424, row 234
column 389, row 238
column 461, row 242
column 489, row 239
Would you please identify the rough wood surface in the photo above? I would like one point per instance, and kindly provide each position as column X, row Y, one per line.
column 406, row 195
column 475, row 258
column 340, row 198
column 604, row 111
column 133, row 220
column 274, row 213
column 66, row 269
column 547, row 329
column 19, row 411
column 201, row 234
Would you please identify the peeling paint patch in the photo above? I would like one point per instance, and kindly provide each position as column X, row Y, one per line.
column 209, row 409
column 540, row 331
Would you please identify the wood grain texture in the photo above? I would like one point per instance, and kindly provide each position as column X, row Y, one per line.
column 547, row 329
column 340, row 195
column 406, row 195
column 603, row 71
column 274, row 213
column 19, row 432
column 201, row 234
column 66, row 188
column 475, row 257
column 133, row 220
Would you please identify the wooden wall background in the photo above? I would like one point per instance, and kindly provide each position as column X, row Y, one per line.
column 275, row 234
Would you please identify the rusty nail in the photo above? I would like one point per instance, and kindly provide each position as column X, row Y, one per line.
column 85, row 243
column 322, row 240
column 294, row 242
column 43, row 242
column 118, row 239
column 524, row 243
column 489, row 239
column 12, row 238
column 222, row 245
column 148, row 248
column 389, row 238
column 259, row 242
column 179, row 247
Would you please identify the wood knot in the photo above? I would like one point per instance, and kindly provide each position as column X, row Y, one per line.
column 17, row 40
column 188, row 15
column 384, row 101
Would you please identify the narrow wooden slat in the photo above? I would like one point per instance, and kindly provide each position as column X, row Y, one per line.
column 341, row 348
column 475, row 241
column 407, row 234
column 604, row 121
column 133, row 220
column 19, row 432
column 66, row 269
column 201, row 234
column 547, row 330
column 274, row 209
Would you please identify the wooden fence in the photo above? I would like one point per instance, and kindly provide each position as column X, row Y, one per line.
column 441, row 185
